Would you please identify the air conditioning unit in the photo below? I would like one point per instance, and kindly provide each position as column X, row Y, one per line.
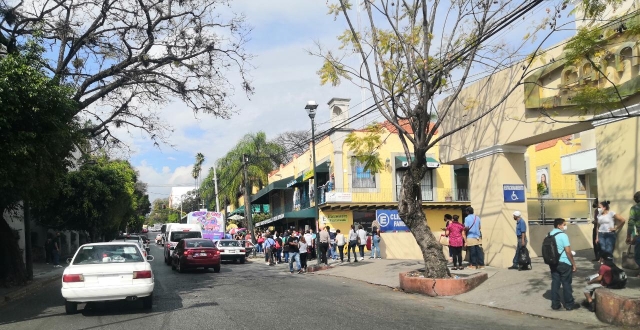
column 405, row 164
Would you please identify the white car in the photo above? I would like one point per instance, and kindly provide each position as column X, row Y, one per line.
column 232, row 250
column 106, row 272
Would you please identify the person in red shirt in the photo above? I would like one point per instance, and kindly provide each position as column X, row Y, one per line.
column 602, row 280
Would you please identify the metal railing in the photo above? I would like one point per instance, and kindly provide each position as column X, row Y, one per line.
column 575, row 210
column 390, row 195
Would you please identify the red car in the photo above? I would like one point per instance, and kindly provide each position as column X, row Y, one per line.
column 195, row 253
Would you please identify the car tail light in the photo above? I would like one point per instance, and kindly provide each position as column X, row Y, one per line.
column 188, row 252
column 70, row 278
column 242, row 250
column 142, row 274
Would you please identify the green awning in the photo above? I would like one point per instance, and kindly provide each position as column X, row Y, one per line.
column 401, row 162
column 309, row 213
column 262, row 196
column 257, row 208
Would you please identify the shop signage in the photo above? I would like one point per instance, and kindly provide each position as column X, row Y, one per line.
column 390, row 221
column 334, row 196
column 513, row 193
column 292, row 183
column 333, row 218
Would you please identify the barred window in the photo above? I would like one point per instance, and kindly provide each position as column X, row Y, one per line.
column 360, row 177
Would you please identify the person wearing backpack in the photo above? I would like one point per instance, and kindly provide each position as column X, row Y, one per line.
column 521, row 238
column 269, row 248
column 603, row 279
column 556, row 252
column 633, row 228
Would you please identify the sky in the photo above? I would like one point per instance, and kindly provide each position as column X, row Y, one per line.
column 284, row 78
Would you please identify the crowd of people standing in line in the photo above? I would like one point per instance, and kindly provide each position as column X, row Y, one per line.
column 299, row 246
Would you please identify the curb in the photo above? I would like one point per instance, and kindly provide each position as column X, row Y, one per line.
column 34, row 286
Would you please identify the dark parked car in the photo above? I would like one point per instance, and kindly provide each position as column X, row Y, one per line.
column 195, row 253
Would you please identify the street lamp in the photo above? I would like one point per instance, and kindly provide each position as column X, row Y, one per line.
column 311, row 108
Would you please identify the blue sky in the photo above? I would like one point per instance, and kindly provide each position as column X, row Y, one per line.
column 284, row 79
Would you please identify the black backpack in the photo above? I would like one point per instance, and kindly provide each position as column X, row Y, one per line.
column 550, row 252
column 524, row 260
column 618, row 278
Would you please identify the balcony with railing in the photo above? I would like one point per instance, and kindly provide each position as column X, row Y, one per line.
column 391, row 195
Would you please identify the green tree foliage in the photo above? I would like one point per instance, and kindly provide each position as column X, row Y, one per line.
column 100, row 197
column 160, row 212
column 37, row 136
column 264, row 157
column 365, row 147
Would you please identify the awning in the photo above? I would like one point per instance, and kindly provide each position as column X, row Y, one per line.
column 262, row 196
column 309, row 213
column 401, row 162
column 321, row 168
column 580, row 162
column 257, row 208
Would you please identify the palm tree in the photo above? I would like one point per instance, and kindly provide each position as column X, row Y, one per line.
column 197, row 169
column 264, row 156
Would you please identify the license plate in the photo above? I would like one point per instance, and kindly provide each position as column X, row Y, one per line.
column 108, row 279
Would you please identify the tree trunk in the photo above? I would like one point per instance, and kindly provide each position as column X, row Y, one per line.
column 410, row 210
column 12, row 268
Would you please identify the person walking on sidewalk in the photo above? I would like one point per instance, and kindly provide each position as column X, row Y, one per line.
column 324, row 244
column 473, row 228
column 594, row 233
column 269, row 248
column 340, row 242
column 447, row 221
column 285, row 246
column 633, row 228
column 607, row 227
column 375, row 244
column 294, row 253
column 362, row 240
column 562, row 272
column 303, row 247
column 457, row 237
column 521, row 237
column 56, row 251
column 353, row 241
column 332, row 244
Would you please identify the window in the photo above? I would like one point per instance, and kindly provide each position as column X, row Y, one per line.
column 360, row 177
column 426, row 185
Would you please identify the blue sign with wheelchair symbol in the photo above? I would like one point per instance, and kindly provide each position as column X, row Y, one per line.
column 513, row 193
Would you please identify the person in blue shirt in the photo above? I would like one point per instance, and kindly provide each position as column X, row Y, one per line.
column 474, row 240
column 562, row 273
column 521, row 237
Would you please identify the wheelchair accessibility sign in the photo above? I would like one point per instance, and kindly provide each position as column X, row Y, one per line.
column 513, row 193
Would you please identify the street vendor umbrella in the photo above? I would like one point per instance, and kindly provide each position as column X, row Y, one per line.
column 236, row 217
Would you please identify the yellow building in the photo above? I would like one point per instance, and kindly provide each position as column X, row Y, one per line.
column 494, row 147
column 348, row 195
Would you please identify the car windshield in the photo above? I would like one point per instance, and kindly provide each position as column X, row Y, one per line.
column 105, row 254
column 200, row 243
column 176, row 236
column 229, row 243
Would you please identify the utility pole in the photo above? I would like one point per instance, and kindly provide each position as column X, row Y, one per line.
column 247, row 197
column 215, row 183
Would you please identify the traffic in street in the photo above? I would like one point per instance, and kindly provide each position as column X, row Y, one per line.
column 256, row 296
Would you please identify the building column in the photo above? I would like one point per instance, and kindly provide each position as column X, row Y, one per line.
column 618, row 166
column 489, row 170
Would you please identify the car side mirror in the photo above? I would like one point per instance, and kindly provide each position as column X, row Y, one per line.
column 69, row 260
column 150, row 258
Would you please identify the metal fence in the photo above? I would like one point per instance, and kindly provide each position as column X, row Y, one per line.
column 386, row 195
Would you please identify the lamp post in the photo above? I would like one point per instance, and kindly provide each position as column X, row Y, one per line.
column 311, row 108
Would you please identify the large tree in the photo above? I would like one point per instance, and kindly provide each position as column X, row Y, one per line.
column 37, row 136
column 125, row 58
column 100, row 198
column 409, row 52
column 293, row 143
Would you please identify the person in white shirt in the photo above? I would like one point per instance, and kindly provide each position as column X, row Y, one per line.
column 607, row 227
column 362, row 235
column 353, row 241
column 302, row 245
column 340, row 242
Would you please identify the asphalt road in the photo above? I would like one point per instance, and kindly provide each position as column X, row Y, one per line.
column 256, row 296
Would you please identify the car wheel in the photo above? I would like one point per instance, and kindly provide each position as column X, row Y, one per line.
column 242, row 260
column 216, row 268
column 70, row 307
column 147, row 302
column 179, row 267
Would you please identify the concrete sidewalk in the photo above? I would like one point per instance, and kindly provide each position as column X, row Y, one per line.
column 521, row 291
column 43, row 274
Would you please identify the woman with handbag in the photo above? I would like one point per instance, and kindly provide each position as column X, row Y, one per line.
column 457, row 237
column 353, row 241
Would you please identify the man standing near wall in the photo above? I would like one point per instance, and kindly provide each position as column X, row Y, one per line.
column 521, row 237
column 474, row 239
column 633, row 227
column 562, row 271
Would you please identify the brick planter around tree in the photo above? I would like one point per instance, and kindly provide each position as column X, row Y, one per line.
column 441, row 286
